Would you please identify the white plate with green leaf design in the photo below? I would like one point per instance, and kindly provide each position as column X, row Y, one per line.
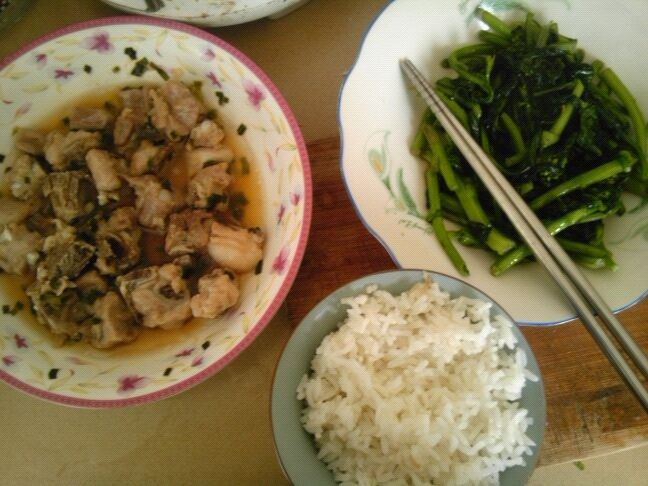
column 379, row 114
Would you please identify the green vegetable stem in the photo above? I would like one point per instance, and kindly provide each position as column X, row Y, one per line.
column 567, row 134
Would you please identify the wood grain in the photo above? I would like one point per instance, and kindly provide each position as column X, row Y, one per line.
column 589, row 409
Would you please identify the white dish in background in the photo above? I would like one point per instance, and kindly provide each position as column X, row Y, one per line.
column 87, row 59
column 209, row 13
column 379, row 113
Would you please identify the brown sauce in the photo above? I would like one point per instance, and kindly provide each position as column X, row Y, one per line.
column 152, row 244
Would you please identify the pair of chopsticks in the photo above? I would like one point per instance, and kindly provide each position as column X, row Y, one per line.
column 583, row 297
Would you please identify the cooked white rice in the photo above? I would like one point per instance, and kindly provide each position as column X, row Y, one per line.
column 418, row 389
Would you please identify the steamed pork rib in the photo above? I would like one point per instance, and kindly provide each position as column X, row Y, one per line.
column 118, row 242
column 118, row 217
column 200, row 158
column 136, row 100
column 92, row 283
column 86, row 311
column 83, row 118
column 71, row 194
column 207, row 188
column 66, row 257
column 14, row 211
column 217, row 292
column 62, row 149
column 134, row 115
column 26, row 178
column 67, row 311
column 154, row 202
column 175, row 109
column 113, row 322
column 65, row 314
column 239, row 249
column 159, row 296
column 30, row 141
column 19, row 248
column 207, row 134
column 125, row 127
column 149, row 158
column 68, row 260
column 188, row 232
column 103, row 167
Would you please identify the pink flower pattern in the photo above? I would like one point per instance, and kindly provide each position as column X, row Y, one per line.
column 198, row 360
column 185, row 352
column 280, row 261
column 21, row 341
column 208, row 54
column 255, row 93
column 40, row 59
column 214, row 79
column 129, row 383
column 76, row 360
column 23, row 109
column 9, row 360
column 62, row 74
column 271, row 163
column 99, row 42
column 295, row 197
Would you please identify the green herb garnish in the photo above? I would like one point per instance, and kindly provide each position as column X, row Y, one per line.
column 90, row 296
column 241, row 129
column 222, row 99
column 237, row 203
column 245, row 165
column 130, row 52
column 18, row 306
column 566, row 133
column 163, row 74
column 140, row 67
column 87, row 68
column 214, row 199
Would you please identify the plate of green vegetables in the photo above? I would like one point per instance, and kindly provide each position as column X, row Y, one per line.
column 555, row 93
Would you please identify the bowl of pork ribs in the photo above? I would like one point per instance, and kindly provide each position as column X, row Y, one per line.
column 155, row 203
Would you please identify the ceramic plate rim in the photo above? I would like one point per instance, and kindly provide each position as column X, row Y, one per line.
column 291, row 273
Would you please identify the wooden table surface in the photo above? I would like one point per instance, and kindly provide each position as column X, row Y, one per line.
column 589, row 409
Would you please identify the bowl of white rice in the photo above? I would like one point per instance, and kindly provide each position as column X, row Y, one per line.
column 407, row 377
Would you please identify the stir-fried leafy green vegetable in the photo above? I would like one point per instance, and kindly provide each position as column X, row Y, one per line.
column 567, row 134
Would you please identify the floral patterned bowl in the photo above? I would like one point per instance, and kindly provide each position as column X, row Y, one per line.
column 52, row 72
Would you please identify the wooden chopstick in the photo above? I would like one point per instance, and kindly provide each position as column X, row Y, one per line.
column 548, row 252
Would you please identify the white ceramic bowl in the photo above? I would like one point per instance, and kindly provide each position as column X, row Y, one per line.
column 48, row 75
column 296, row 448
column 379, row 113
column 209, row 13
